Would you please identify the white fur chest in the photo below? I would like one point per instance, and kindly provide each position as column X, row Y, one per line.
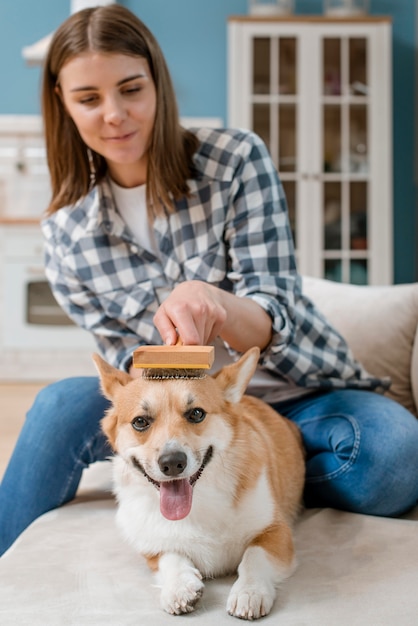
column 215, row 533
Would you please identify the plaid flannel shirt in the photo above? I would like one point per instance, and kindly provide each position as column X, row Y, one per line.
column 232, row 231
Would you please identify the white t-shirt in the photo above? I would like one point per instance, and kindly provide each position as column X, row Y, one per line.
column 132, row 205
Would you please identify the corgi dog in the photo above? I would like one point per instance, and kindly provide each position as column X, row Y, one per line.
column 208, row 481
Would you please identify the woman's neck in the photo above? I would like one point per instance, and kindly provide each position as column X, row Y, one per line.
column 128, row 175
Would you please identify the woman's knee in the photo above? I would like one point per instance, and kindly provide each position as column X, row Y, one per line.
column 69, row 402
column 65, row 421
column 371, row 464
column 388, row 463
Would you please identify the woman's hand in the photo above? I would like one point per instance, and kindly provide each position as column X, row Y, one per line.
column 198, row 313
column 194, row 312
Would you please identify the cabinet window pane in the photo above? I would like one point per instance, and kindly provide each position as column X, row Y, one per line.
column 358, row 216
column 358, row 67
column 332, row 138
column 287, row 138
column 332, row 67
column 358, row 139
column 287, row 65
column 261, row 68
column 261, row 122
column 358, row 272
column 333, row 270
column 332, row 216
column 290, row 191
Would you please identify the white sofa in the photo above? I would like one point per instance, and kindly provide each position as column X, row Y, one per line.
column 72, row 568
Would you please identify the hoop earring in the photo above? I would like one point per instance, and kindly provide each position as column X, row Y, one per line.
column 92, row 169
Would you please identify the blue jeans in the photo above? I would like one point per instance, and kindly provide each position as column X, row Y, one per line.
column 362, row 452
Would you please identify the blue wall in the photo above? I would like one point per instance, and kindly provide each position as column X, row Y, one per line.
column 192, row 34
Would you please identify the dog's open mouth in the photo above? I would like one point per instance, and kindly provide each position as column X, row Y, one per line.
column 176, row 495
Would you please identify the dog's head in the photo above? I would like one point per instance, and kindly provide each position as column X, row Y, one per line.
column 170, row 429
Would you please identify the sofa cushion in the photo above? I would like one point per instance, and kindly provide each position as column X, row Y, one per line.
column 72, row 567
column 380, row 326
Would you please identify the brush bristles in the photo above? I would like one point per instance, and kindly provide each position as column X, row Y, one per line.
column 154, row 373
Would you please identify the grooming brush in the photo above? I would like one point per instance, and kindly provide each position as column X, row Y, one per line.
column 168, row 362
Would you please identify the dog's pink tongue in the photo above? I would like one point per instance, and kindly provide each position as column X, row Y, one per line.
column 176, row 498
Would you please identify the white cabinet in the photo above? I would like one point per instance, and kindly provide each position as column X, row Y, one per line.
column 24, row 179
column 37, row 340
column 318, row 91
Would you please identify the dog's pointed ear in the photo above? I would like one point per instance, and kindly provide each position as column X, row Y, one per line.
column 234, row 378
column 110, row 377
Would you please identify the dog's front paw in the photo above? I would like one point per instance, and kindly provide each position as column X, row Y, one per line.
column 250, row 601
column 183, row 593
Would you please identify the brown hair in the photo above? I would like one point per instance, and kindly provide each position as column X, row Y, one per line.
column 109, row 29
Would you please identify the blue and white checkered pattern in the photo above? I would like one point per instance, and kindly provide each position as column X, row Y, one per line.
column 232, row 231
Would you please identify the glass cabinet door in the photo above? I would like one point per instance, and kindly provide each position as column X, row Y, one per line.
column 344, row 121
column 319, row 93
column 274, row 108
column 345, row 112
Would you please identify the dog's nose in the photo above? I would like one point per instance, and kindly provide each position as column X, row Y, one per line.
column 172, row 463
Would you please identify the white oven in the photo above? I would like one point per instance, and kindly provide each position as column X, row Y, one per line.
column 31, row 318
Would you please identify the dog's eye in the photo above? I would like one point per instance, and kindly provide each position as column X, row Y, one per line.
column 195, row 415
column 140, row 423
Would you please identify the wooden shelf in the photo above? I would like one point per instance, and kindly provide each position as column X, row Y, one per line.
column 19, row 221
column 326, row 19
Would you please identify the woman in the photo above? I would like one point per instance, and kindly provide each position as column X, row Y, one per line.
column 154, row 232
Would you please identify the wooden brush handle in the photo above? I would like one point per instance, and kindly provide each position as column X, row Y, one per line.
column 176, row 357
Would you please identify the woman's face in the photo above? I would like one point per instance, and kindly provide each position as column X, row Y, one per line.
column 111, row 98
